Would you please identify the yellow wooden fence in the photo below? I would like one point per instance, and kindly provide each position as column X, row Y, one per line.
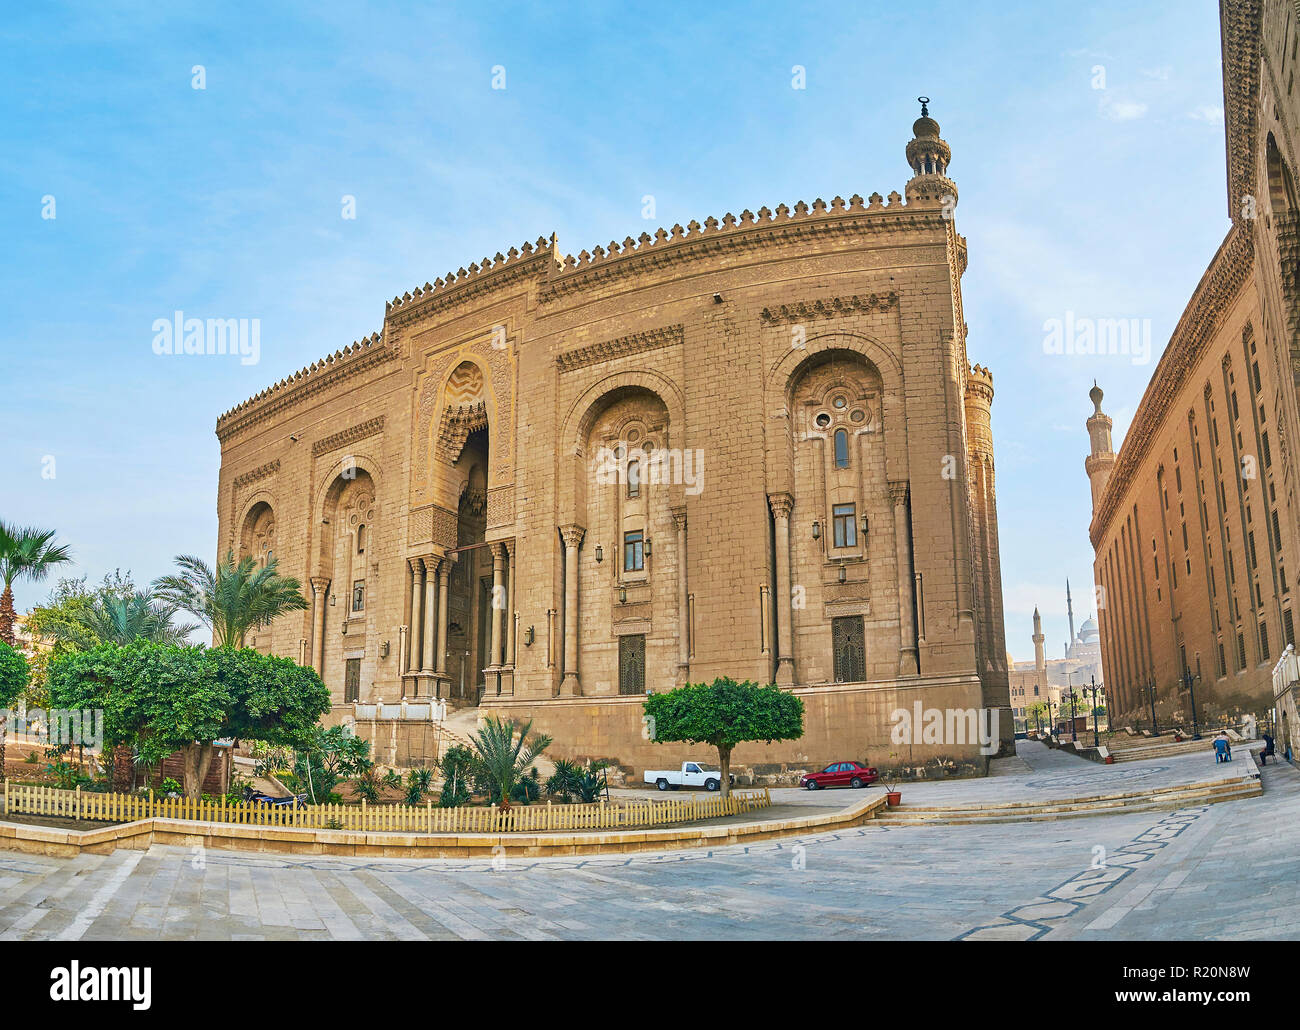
column 623, row 813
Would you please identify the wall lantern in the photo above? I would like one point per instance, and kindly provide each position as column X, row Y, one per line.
column 647, row 547
column 622, row 595
column 600, row 554
column 817, row 530
column 529, row 636
column 844, row 574
column 864, row 523
column 345, row 627
column 383, row 649
column 332, row 597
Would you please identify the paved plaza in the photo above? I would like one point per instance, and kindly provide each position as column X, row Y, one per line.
column 1224, row 871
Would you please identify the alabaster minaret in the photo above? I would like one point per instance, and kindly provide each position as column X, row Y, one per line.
column 1040, row 655
column 1102, row 459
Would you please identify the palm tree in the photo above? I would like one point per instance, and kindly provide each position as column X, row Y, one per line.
column 25, row 553
column 119, row 620
column 504, row 757
column 235, row 598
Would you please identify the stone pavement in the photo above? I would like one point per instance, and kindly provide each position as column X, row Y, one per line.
column 1222, row 871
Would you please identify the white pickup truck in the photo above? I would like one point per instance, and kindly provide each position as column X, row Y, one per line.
column 691, row 774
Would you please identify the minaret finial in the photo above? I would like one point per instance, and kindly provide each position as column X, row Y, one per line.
column 925, row 109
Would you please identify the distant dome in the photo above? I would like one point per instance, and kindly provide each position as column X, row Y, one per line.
column 1088, row 631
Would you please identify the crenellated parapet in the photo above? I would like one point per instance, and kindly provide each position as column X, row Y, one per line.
column 359, row 356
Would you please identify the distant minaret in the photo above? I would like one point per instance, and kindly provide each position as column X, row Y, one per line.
column 1040, row 656
column 1069, row 608
column 1102, row 459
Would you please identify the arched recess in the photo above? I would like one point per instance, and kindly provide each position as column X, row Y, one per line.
column 342, row 474
column 582, row 416
column 788, row 371
column 254, row 531
column 460, row 396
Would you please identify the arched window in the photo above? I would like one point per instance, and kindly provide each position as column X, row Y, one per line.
column 361, row 538
column 634, row 478
column 841, row 449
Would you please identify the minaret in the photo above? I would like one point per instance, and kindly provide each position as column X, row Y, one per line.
column 1102, row 459
column 929, row 156
column 1040, row 656
column 1069, row 611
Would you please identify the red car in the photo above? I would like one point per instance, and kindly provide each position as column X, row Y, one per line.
column 840, row 774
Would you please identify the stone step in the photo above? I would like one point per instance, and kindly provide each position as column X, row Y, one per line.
column 1177, row 788
column 1232, row 791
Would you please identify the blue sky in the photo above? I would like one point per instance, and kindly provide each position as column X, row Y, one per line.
column 226, row 202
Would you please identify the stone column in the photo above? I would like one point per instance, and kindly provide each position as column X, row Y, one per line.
column 572, row 536
column 431, row 565
column 683, row 609
column 907, row 657
column 782, row 506
column 440, row 645
column 319, row 588
column 417, row 615
column 510, row 606
column 498, row 604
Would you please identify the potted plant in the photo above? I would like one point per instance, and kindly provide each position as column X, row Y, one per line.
column 893, row 796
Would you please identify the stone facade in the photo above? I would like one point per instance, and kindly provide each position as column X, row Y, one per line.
column 1195, row 520
column 752, row 447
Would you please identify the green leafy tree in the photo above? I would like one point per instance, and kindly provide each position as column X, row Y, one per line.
column 458, row 768
column 13, row 681
column 724, row 713
column 232, row 599
column 26, row 553
column 506, row 751
column 161, row 699
column 330, row 755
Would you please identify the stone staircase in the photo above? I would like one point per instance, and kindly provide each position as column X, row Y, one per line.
column 1156, row 747
column 1154, row 799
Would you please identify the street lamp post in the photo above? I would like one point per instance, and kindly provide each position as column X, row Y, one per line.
column 1093, row 691
column 1151, row 688
column 1074, row 716
column 1188, row 682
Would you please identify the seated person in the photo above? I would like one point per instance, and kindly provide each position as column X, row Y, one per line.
column 1268, row 749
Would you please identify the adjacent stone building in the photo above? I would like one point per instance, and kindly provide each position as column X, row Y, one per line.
column 1195, row 519
column 750, row 447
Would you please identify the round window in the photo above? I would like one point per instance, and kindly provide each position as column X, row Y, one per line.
column 823, row 420
column 839, row 402
column 858, row 415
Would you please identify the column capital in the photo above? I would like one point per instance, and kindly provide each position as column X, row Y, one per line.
column 417, row 565
column 898, row 491
column 679, row 517
column 498, row 548
column 319, row 584
column 572, row 535
column 782, row 505
column 444, row 569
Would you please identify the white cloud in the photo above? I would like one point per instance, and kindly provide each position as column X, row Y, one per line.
column 1212, row 113
column 1122, row 110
